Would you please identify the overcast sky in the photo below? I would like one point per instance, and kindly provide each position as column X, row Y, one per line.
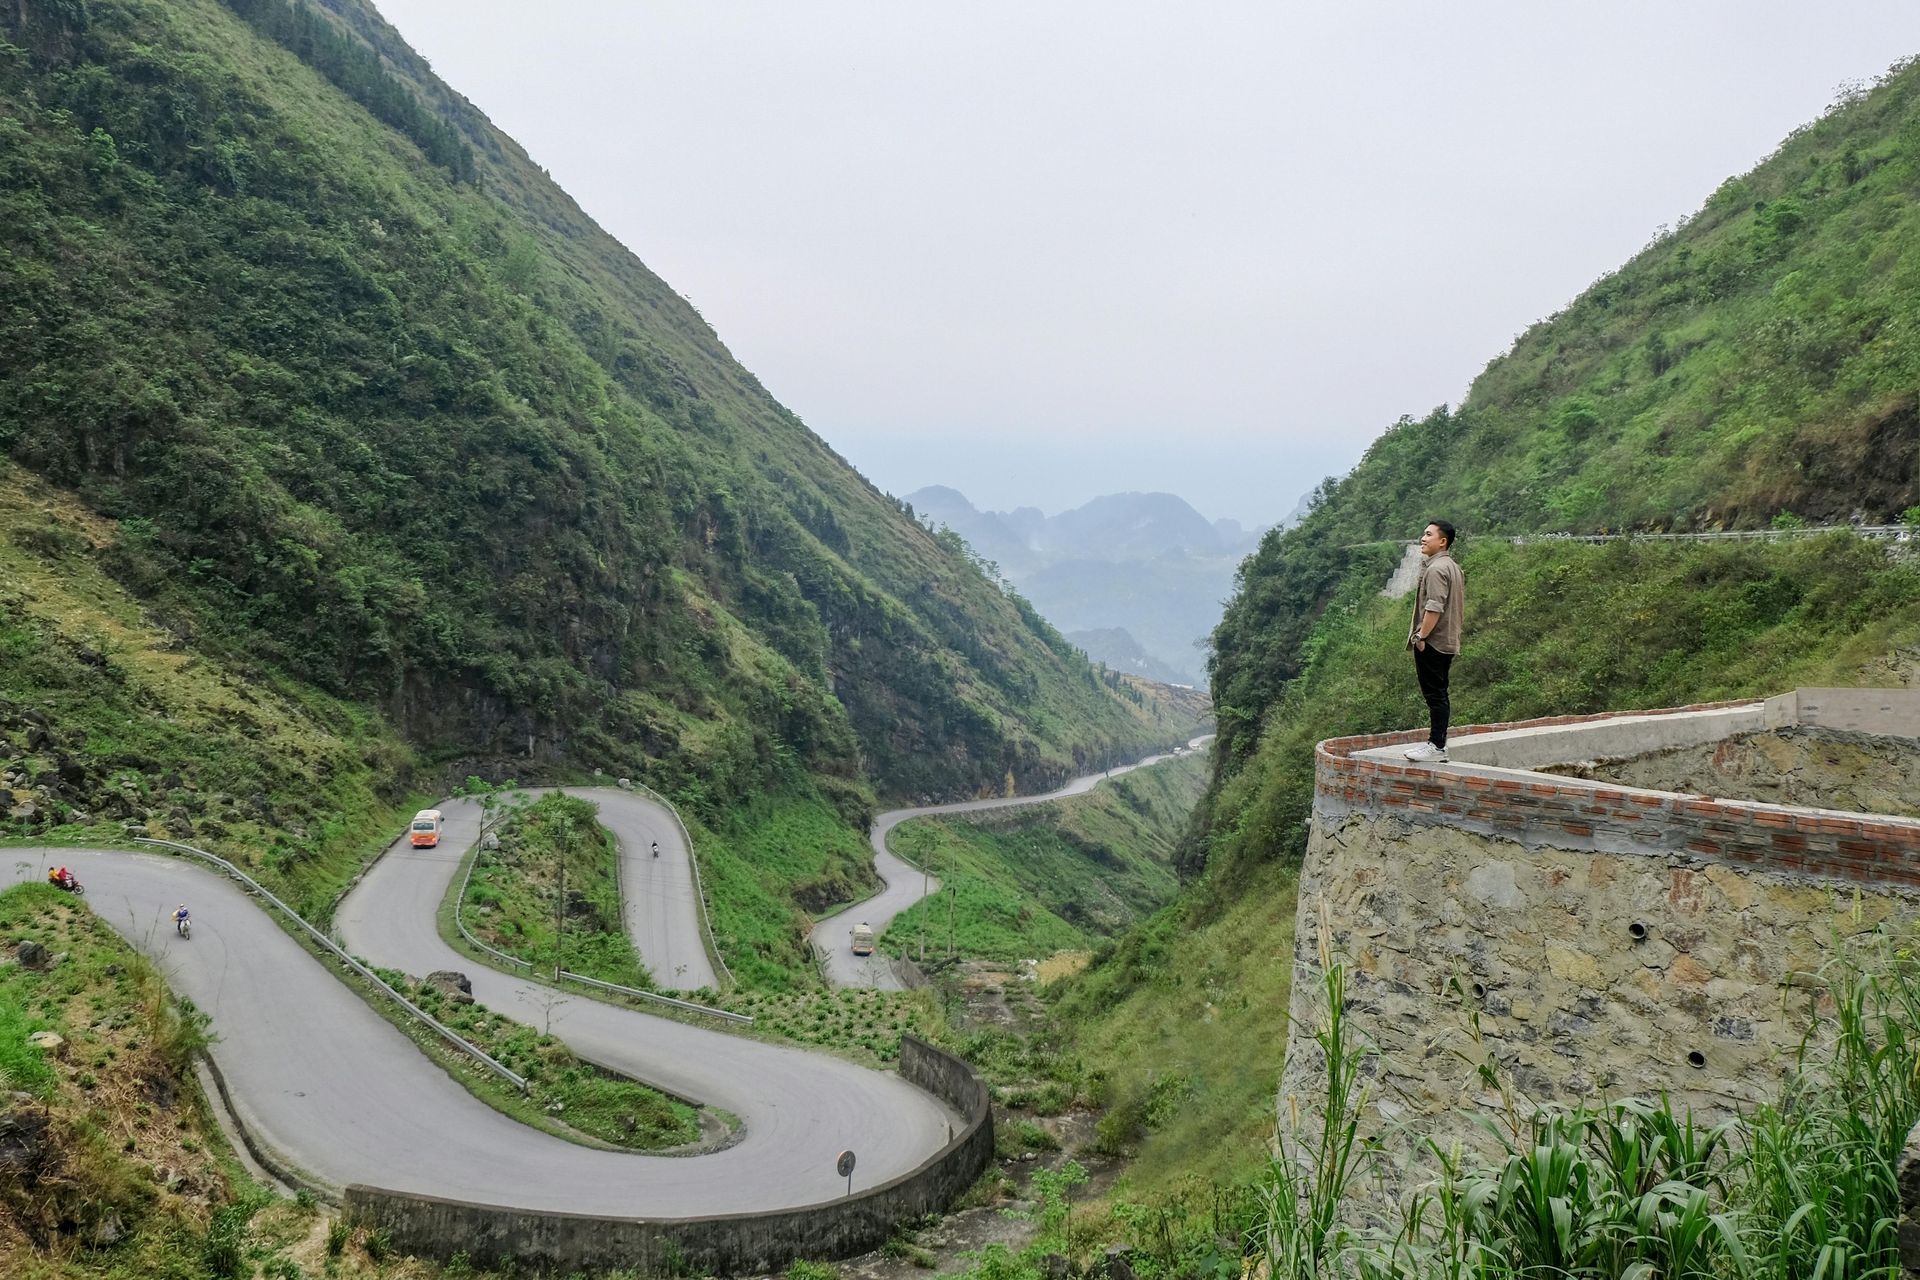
column 1044, row 251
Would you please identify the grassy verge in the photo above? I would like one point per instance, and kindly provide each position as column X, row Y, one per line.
column 513, row 899
column 767, row 870
column 564, row 1095
column 113, row 1158
column 865, row 1026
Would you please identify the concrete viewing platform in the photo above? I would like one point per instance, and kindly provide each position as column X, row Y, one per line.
column 1497, row 783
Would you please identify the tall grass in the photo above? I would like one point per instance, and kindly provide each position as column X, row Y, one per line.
column 1802, row 1188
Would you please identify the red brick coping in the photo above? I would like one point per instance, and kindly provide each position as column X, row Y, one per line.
column 1575, row 813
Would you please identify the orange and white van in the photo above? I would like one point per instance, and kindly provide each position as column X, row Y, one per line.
column 426, row 829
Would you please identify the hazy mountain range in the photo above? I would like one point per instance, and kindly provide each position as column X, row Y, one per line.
column 1138, row 580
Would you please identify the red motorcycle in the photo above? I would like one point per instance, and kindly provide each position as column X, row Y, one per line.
column 65, row 881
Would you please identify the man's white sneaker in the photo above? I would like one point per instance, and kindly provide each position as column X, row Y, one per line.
column 1427, row 753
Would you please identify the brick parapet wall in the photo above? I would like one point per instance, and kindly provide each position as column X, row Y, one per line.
column 1571, row 813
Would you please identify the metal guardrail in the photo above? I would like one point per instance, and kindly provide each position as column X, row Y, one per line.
column 333, row 948
column 655, row 996
column 1877, row 532
column 460, row 924
column 713, row 943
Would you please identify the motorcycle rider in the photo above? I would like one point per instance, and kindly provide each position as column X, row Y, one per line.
column 61, row 879
column 180, row 918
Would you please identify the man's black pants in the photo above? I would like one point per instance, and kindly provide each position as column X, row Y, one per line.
column 1433, row 667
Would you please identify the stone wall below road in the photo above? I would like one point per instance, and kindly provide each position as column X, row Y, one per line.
column 491, row 1235
column 1514, row 939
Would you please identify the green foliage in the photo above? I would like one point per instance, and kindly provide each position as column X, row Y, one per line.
column 119, row 1099
column 564, row 1093
column 551, row 846
column 99, row 706
column 22, row 1066
column 1567, row 628
column 1758, row 359
column 356, row 70
column 1029, row 881
column 767, row 868
column 224, row 1251
column 446, row 450
column 863, row 1024
column 1803, row 1186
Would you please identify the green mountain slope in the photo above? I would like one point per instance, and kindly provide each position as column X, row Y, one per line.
column 402, row 427
column 1761, row 360
column 1684, row 391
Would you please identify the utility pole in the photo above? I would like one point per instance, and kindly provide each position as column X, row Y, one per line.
column 926, row 887
column 560, row 915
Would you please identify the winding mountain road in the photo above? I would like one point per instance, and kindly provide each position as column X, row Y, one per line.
column 337, row 1092
column 906, row 884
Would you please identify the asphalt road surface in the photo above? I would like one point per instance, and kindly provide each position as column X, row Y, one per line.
column 907, row 884
column 337, row 1092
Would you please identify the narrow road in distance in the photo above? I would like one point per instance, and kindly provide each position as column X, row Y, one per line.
column 906, row 884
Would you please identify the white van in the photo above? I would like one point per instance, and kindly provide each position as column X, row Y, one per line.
column 863, row 939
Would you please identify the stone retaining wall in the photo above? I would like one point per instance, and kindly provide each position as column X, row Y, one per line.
column 1584, row 940
column 1542, row 810
column 493, row 1235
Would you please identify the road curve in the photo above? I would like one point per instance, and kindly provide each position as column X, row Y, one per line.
column 659, row 905
column 339, row 1093
column 906, row 884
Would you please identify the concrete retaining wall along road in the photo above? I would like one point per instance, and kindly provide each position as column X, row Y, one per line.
column 1889, row 712
column 491, row 1235
column 1588, row 941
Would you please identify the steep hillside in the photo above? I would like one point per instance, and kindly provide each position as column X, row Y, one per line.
column 1761, row 362
column 362, row 402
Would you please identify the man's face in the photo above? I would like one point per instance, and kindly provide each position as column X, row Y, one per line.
column 1432, row 541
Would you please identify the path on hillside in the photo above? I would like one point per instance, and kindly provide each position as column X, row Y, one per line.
column 906, row 884
column 1900, row 538
column 338, row 1092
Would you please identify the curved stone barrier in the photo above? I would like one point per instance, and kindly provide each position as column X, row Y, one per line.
column 1593, row 940
column 1491, row 788
column 493, row 1235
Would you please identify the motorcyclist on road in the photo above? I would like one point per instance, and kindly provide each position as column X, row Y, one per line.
column 61, row 879
column 656, row 848
column 180, row 915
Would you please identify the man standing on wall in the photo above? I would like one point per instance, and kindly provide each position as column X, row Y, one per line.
column 1438, row 606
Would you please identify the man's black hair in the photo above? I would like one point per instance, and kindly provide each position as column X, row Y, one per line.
column 1446, row 531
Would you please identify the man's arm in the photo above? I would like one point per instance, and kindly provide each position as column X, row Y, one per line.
column 1433, row 607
